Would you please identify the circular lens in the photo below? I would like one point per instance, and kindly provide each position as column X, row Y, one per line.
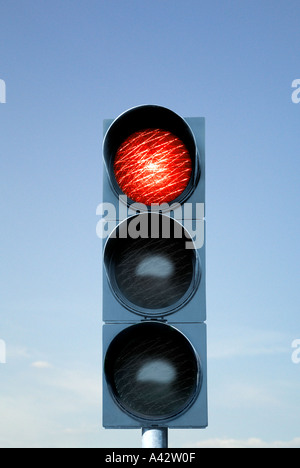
column 152, row 370
column 150, row 274
column 153, row 166
column 153, row 273
column 151, row 156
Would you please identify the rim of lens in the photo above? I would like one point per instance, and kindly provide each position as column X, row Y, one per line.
column 122, row 390
column 111, row 254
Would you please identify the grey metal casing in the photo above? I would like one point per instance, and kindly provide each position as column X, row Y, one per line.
column 189, row 319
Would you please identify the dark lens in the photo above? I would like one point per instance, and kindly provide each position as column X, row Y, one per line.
column 152, row 273
column 152, row 370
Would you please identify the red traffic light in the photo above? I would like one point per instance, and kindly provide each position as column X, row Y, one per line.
column 153, row 166
column 151, row 156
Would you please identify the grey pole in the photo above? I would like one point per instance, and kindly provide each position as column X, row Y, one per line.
column 155, row 437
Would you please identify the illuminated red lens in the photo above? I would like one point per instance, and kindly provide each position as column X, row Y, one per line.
column 152, row 166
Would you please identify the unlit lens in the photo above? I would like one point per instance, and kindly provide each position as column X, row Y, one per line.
column 152, row 370
column 151, row 273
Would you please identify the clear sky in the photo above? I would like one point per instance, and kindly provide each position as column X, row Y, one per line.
column 67, row 66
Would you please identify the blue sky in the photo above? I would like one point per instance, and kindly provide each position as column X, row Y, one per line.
column 67, row 66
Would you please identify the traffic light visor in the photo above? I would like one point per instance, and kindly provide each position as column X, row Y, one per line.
column 152, row 275
column 151, row 156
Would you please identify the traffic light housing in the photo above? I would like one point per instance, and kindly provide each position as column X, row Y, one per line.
column 154, row 293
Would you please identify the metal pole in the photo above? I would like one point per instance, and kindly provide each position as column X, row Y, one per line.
column 155, row 437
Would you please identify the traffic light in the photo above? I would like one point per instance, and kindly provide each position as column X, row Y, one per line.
column 154, row 295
